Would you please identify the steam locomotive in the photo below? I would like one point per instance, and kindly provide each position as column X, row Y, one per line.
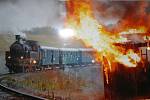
column 27, row 55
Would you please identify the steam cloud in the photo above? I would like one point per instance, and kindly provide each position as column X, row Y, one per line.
column 19, row 15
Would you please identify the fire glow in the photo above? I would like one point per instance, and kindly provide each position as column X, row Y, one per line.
column 80, row 18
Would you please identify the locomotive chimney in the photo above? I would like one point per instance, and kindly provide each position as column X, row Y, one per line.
column 18, row 37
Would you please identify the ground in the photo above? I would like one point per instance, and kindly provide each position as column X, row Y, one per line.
column 84, row 83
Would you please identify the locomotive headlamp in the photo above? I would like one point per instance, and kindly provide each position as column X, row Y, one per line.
column 34, row 62
column 21, row 57
column 9, row 57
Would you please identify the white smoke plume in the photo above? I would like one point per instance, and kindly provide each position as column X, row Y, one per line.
column 20, row 15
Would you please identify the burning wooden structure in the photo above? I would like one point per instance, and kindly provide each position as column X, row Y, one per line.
column 125, row 82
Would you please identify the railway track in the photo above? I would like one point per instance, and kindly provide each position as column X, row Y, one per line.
column 14, row 94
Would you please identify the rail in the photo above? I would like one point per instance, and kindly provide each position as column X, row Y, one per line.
column 19, row 93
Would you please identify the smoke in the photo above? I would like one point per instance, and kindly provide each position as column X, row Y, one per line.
column 107, row 12
column 120, row 15
column 20, row 15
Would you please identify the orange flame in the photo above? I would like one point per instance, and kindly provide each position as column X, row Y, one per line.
column 80, row 18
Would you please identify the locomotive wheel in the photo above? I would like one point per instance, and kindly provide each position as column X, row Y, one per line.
column 10, row 69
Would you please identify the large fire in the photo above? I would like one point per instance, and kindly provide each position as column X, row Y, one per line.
column 81, row 19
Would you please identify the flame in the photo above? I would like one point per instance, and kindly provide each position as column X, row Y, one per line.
column 80, row 17
column 140, row 30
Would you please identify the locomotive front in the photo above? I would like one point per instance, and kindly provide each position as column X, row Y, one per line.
column 23, row 55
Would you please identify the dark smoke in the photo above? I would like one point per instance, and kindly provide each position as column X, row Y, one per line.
column 119, row 15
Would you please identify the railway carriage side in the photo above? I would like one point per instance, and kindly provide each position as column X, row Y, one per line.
column 87, row 56
column 70, row 56
column 79, row 56
column 49, row 57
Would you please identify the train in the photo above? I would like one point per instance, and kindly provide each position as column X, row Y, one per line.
column 27, row 55
column 128, row 83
